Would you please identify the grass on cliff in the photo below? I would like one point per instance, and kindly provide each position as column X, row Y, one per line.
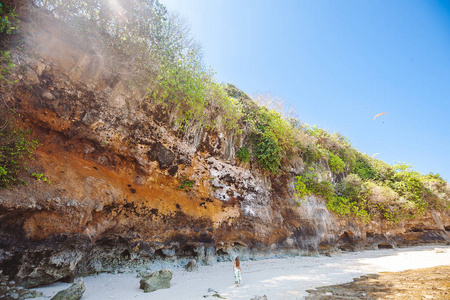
column 16, row 144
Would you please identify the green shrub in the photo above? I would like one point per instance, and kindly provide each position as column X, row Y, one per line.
column 9, row 20
column 15, row 143
column 15, row 146
column 183, row 86
column 9, row 23
column 308, row 183
column 311, row 154
column 339, row 205
column 345, row 199
column 272, row 137
column 268, row 153
column 234, row 92
column 336, row 164
column 192, row 92
column 363, row 169
column 352, row 187
column 40, row 177
column 185, row 184
column 227, row 107
column 243, row 154
column 300, row 189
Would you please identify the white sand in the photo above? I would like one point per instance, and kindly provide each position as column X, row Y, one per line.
column 281, row 278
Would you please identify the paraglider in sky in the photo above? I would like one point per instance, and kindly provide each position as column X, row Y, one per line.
column 375, row 154
column 376, row 116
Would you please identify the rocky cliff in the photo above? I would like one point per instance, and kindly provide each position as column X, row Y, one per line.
column 127, row 188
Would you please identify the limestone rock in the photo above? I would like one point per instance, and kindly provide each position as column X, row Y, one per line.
column 156, row 281
column 259, row 298
column 9, row 290
column 144, row 274
column 75, row 292
column 191, row 266
column 164, row 156
column 440, row 250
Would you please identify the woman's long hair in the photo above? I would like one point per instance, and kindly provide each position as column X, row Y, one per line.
column 238, row 262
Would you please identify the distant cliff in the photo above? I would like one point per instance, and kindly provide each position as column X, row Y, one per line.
column 127, row 187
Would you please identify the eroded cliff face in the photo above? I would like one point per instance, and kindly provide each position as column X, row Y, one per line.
column 117, row 168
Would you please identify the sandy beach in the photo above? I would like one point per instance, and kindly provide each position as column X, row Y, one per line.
column 278, row 278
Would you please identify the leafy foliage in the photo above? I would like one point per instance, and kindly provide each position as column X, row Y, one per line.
column 15, row 143
column 182, row 85
column 6, row 68
column 9, row 20
column 363, row 168
column 311, row 184
column 192, row 91
column 336, row 164
column 9, row 23
column 40, row 177
column 185, row 184
column 243, row 154
column 272, row 137
column 268, row 153
column 15, row 146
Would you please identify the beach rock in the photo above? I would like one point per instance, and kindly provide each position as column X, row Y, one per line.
column 259, row 298
column 191, row 266
column 163, row 155
column 9, row 290
column 75, row 292
column 144, row 274
column 156, row 281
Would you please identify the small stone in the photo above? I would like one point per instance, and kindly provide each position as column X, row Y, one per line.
column 48, row 95
column 144, row 274
column 259, row 298
column 191, row 266
column 14, row 296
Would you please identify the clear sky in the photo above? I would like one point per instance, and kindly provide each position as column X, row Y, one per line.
column 339, row 63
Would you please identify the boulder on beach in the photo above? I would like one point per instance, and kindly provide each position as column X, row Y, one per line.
column 191, row 266
column 75, row 292
column 156, row 281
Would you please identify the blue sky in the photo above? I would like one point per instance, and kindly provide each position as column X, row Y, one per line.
column 339, row 63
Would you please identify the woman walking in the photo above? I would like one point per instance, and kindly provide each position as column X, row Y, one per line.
column 237, row 271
